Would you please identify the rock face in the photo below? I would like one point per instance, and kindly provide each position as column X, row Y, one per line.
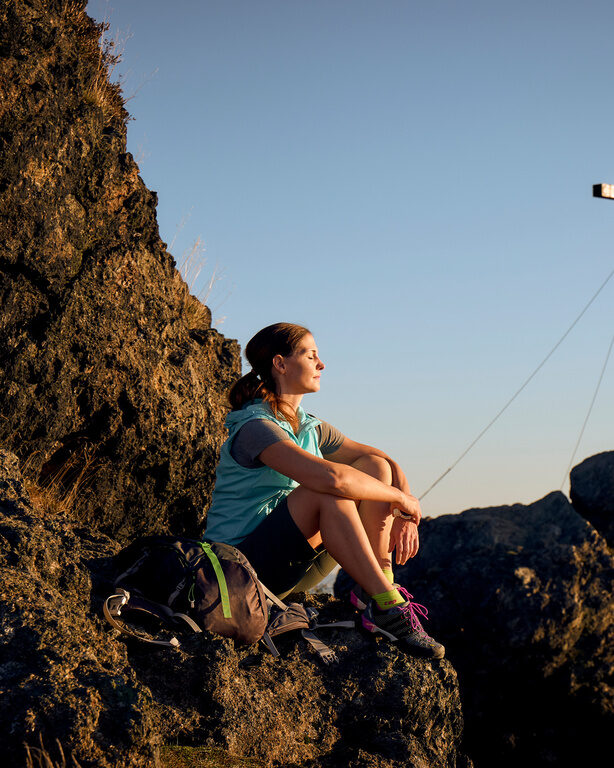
column 592, row 492
column 522, row 598
column 63, row 674
column 112, row 381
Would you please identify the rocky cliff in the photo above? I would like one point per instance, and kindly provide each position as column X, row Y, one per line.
column 112, row 380
column 112, row 387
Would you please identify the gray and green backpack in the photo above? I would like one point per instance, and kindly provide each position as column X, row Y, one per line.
column 167, row 585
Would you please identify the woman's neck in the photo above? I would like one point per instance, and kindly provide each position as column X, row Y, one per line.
column 293, row 401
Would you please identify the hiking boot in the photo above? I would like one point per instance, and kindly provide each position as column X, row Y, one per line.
column 401, row 624
column 358, row 597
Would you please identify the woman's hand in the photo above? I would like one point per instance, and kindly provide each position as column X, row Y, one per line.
column 404, row 533
column 404, row 538
column 409, row 506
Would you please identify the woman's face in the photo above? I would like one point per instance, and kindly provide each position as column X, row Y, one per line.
column 299, row 373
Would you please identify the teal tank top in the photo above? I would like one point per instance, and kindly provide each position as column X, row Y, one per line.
column 243, row 497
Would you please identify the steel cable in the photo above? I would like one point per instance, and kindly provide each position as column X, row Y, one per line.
column 519, row 390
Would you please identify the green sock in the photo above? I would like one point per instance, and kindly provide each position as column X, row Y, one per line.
column 388, row 574
column 386, row 600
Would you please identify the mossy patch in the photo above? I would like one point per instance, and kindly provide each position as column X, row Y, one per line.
column 204, row 757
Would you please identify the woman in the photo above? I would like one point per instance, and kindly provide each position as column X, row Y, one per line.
column 288, row 487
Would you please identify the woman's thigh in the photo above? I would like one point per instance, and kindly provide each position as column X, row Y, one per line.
column 278, row 550
column 306, row 507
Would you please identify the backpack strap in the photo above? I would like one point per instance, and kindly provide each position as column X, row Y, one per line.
column 221, row 579
column 112, row 608
column 344, row 624
column 190, row 622
column 273, row 598
column 326, row 655
column 296, row 616
column 310, row 612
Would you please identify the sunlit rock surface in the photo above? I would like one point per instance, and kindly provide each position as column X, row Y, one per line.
column 112, row 381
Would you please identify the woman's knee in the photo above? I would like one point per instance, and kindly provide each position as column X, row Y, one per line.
column 306, row 507
column 376, row 466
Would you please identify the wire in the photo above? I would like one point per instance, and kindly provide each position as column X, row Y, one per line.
column 590, row 408
column 519, row 390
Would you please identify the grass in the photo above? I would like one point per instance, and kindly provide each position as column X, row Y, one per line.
column 59, row 492
column 204, row 757
column 193, row 303
column 38, row 757
column 101, row 92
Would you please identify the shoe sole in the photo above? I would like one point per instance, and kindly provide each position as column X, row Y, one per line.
column 372, row 628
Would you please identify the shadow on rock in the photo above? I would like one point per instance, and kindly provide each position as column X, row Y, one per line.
column 522, row 598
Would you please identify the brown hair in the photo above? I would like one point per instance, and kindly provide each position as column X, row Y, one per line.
column 278, row 339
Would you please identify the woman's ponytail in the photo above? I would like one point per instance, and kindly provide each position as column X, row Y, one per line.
column 245, row 389
column 278, row 339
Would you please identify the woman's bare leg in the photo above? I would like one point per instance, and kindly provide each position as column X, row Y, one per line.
column 375, row 515
column 335, row 522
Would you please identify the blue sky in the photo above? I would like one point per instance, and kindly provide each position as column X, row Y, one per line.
column 413, row 182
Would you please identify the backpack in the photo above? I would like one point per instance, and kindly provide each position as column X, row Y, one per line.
column 171, row 583
column 175, row 581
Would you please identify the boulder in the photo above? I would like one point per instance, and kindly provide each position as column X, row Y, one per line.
column 61, row 675
column 112, row 380
column 521, row 596
column 592, row 492
column 65, row 676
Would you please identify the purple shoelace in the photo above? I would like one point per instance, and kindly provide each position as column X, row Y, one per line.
column 413, row 609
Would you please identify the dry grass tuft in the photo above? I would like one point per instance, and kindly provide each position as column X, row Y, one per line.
column 38, row 757
column 61, row 489
column 72, row 10
column 101, row 91
column 190, row 268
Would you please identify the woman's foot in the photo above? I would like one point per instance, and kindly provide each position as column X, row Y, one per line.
column 401, row 624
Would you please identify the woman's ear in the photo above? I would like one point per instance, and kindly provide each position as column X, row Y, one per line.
column 278, row 364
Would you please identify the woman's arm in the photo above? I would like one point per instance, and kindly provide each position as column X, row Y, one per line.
column 404, row 534
column 350, row 450
column 335, row 477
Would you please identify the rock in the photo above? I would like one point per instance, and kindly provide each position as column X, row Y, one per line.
column 592, row 492
column 521, row 597
column 112, row 381
column 63, row 674
column 376, row 707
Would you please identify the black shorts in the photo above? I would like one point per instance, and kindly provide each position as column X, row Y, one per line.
column 278, row 551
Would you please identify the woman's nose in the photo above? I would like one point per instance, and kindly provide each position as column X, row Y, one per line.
column 320, row 365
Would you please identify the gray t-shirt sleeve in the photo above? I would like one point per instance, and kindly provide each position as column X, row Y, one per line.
column 258, row 434
column 252, row 439
column 329, row 438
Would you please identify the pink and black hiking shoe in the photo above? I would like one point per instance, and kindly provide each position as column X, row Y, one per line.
column 401, row 625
